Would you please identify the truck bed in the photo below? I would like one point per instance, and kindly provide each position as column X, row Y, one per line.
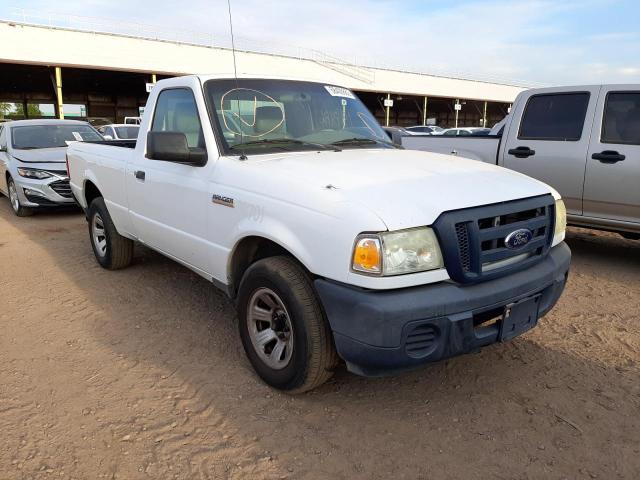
column 482, row 147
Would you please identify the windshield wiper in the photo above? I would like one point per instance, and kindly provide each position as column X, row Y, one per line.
column 283, row 141
column 362, row 141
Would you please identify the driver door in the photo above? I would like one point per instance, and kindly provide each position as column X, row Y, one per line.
column 168, row 200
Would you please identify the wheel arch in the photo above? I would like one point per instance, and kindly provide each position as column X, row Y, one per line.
column 249, row 250
column 90, row 192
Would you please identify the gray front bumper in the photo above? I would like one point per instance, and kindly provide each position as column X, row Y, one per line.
column 43, row 193
column 373, row 329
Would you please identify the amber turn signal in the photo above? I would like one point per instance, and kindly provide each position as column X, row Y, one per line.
column 367, row 256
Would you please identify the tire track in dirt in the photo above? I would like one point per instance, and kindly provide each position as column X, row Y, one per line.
column 140, row 374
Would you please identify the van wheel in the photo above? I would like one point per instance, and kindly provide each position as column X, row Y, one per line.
column 112, row 250
column 17, row 208
column 282, row 326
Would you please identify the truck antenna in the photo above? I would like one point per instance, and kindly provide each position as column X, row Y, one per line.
column 235, row 73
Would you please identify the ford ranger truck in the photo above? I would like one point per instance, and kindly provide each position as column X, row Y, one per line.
column 333, row 243
column 582, row 140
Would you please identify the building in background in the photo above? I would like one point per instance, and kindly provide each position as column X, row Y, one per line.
column 79, row 67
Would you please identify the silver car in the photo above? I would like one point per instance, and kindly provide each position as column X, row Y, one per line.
column 33, row 172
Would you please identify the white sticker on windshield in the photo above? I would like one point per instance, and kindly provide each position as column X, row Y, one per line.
column 77, row 136
column 339, row 92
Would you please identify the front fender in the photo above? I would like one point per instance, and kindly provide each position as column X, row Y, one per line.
column 285, row 238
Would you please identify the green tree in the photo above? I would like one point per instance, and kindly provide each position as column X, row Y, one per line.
column 10, row 109
column 5, row 108
column 33, row 110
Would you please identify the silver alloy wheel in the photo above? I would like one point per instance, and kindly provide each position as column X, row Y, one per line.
column 270, row 328
column 13, row 196
column 98, row 235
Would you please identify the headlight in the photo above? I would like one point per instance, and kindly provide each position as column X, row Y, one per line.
column 33, row 173
column 396, row 253
column 561, row 218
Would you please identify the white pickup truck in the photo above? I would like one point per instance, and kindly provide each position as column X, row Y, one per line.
column 332, row 242
column 584, row 141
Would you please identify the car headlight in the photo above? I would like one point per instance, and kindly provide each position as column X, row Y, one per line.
column 395, row 253
column 33, row 173
column 561, row 218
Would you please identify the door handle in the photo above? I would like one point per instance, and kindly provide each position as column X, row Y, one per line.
column 521, row 152
column 608, row 156
column 139, row 174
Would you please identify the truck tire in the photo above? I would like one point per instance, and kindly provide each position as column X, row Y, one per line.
column 17, row 208
column 282, row 326
column 112, row 250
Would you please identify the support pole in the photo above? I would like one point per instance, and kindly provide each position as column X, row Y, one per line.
column 153, row 78
column 388, row 110
column 457, row 111
column 484, row 116
column 424, row 112
column 59, row 93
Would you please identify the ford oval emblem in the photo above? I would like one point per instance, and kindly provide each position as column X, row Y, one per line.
column 518, row 238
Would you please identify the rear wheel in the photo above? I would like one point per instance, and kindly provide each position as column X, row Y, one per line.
column 112, row 250
column 282, row 327
column 16, row 206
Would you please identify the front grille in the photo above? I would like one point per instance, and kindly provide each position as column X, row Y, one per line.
column 62, row 188
column 464, row 249
column 473, row 239
column 421, row 340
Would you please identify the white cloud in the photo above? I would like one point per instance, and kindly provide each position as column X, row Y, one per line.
column 629, row 71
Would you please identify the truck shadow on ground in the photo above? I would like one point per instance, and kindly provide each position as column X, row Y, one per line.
column 174, row 340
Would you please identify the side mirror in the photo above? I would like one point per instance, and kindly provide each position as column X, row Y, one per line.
column 173, row 147
column 107, row 137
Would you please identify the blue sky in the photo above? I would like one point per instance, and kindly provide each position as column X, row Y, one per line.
column 538, row 41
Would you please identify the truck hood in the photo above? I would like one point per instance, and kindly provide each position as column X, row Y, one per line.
column 404, row 188
column 40, row 155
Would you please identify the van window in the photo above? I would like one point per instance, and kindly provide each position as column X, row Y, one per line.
column 554, row 116
column 176, row 111
column 621, row 121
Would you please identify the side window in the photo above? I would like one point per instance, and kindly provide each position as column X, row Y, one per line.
column 555, row 116
column 463, row 132
column 176, row 111
column 621, row 121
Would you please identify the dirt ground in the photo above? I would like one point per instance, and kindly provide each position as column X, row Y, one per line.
column 140, row 374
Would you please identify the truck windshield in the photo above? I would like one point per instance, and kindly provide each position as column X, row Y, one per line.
column 31, row 137
column 265, row 116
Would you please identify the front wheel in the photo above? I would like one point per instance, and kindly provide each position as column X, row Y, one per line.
column 283, row 330
column 16, row 206
column 112, row 250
